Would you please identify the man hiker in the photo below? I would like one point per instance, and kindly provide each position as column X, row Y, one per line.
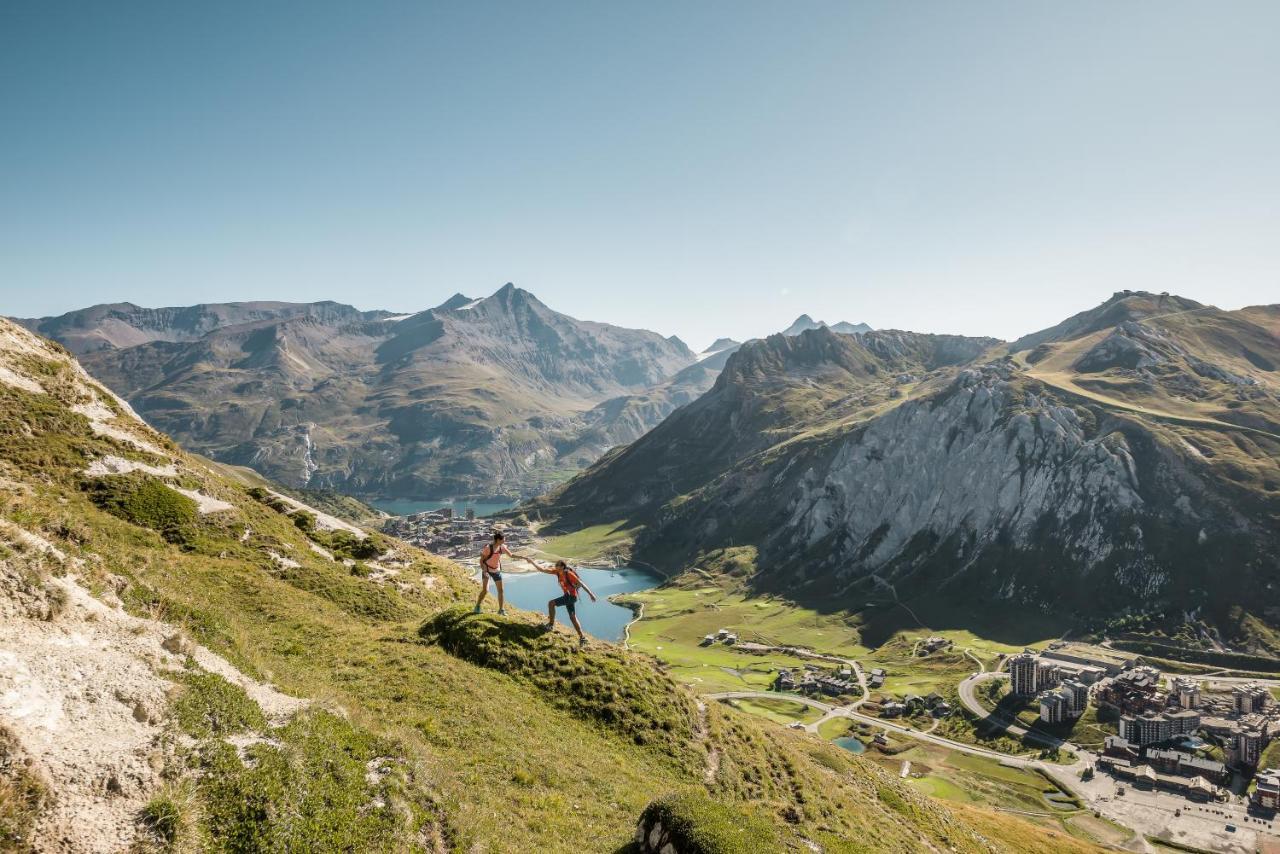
column 491, row 567
column 569, row 584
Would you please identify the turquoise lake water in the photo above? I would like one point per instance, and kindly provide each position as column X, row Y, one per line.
column 850, row 744
column 602, row 618
column 409, row 506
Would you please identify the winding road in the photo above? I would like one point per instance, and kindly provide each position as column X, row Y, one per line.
column 829, row 711
column 1149, row 813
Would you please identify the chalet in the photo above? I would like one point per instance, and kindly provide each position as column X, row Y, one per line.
column 934, row 644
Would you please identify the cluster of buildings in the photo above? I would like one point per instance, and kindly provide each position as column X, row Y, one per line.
column 933, row 703
column 458, row 537
column 1180, row 777
column 811, row 680
column 1062, row 687
column 1240, row 720
column 1159, row 730
column 723, row 636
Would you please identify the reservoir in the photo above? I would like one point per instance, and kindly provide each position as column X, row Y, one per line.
column 409, row 506
column 602, row 618
column 850, row 744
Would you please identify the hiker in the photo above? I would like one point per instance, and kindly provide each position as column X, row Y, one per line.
column 569, row 583
column 491, row 567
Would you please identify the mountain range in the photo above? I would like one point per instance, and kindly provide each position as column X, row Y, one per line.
column 476, row 398
column 194, row 664
column 1124, row 461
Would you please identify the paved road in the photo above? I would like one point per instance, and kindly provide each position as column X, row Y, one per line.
column 1151, row 813
column 968, row 697
column 830, row 711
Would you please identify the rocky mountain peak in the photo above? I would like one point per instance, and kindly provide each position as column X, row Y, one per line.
column 1121, row 307
column 456, row 301
column 800, row 324
column 722, row 344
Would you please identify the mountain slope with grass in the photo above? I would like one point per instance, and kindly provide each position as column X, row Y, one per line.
column 1124, row 462
column 192, row 662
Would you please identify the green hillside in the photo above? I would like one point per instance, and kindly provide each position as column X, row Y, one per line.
column 360, row 707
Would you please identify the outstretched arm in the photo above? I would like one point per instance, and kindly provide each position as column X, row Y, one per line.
column 584, row 586
column 533, row 563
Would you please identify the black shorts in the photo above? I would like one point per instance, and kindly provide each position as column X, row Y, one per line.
column 495, row 574
column 566, row 601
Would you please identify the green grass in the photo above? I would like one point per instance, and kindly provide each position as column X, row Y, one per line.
column 209, row 705
column 1270, row 756
column 315, row 777
column 779, row 710
column 147, row 502
column 430, row 728
column 172, row 817
column 697, row 824
column 965, row 778
column 22, row 797
column 834, row 728
column 598, row 542
column 601, row 685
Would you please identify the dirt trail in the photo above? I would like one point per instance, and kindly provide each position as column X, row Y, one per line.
column 701, row 733
column 84, row 696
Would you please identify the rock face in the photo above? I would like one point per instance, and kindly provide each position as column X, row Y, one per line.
column 1105, row 473
column 986, row 459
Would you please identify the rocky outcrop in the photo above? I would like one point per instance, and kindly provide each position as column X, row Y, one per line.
column 1130, row 345
column 897, row 464
column 986, row 459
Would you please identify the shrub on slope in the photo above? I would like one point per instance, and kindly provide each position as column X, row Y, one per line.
column 600, row 683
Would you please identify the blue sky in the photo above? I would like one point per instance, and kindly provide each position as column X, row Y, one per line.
column 703, row 169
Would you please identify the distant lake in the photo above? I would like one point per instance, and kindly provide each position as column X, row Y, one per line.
column 851, row 744
column 602, row 618
column 409, row 506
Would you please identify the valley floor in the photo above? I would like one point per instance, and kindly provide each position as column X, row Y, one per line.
column 955, row 759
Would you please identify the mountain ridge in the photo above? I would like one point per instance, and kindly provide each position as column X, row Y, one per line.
column 479, row 397
column 1048, row 472
column 194, row 663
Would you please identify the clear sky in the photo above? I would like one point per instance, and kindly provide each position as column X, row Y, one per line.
column 699, row 168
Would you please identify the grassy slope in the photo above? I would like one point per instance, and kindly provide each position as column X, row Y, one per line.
column 497, row 758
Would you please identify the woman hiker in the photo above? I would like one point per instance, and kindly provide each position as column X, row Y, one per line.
column 570, row 582
column 491, row 567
